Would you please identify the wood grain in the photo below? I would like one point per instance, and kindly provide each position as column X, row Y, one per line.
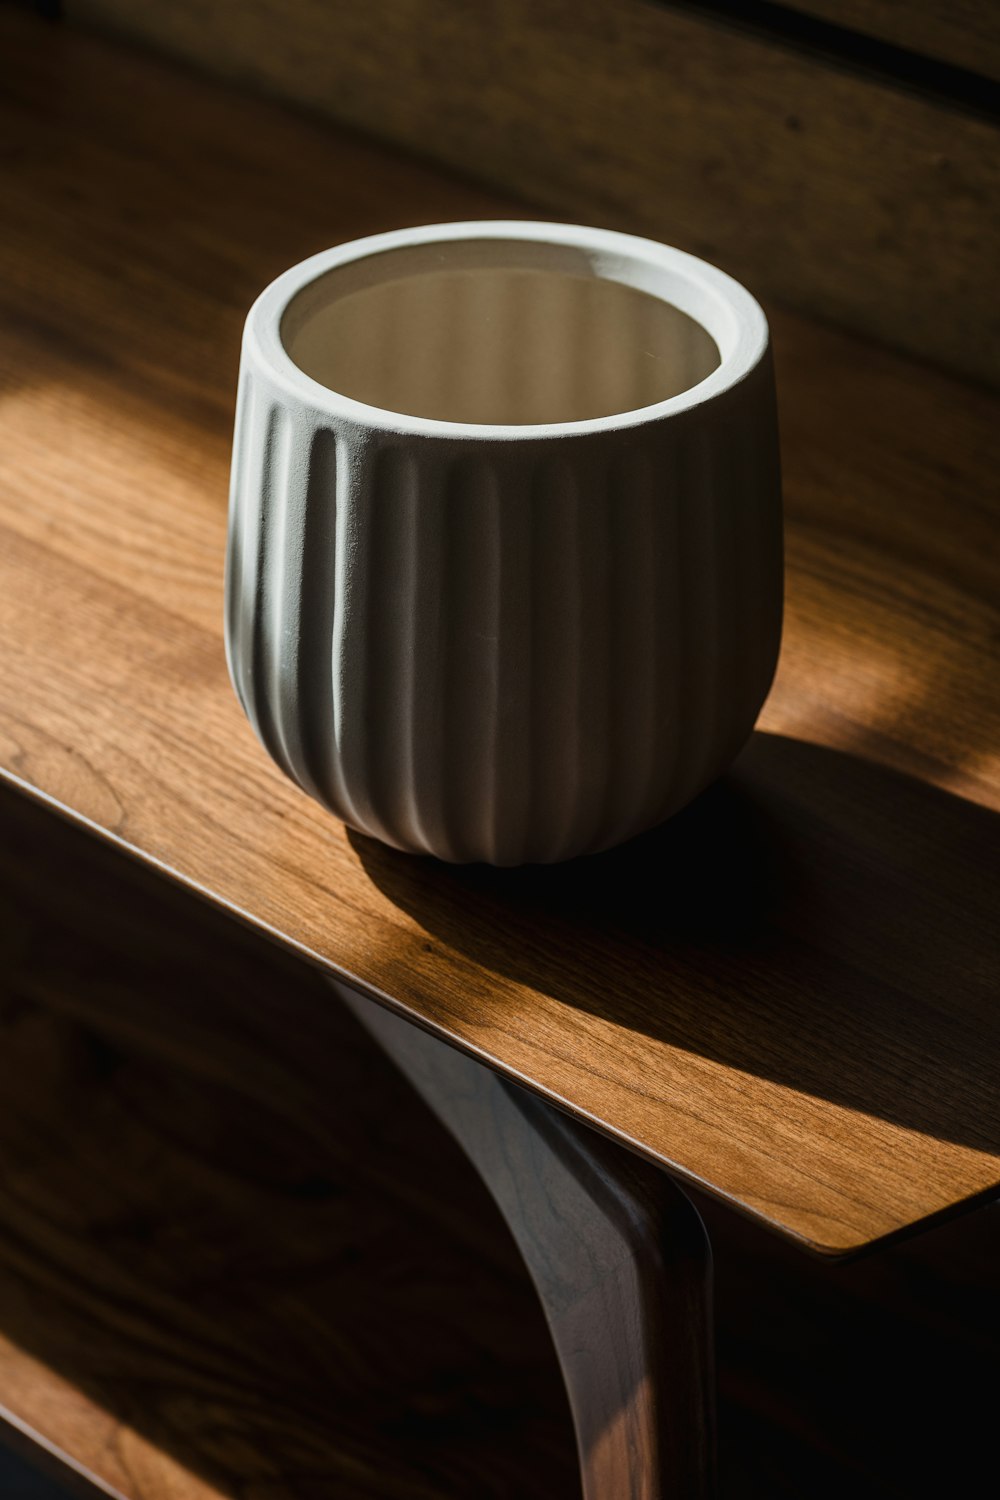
column 860, row 202
column 788, row 994
column 618, row 1255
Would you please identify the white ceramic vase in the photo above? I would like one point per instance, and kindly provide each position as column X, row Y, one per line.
column 505, row 568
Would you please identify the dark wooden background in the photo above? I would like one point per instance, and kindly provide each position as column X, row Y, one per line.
column 842, row 156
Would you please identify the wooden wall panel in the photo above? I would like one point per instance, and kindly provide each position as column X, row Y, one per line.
column 963, row 33
column 829, row 191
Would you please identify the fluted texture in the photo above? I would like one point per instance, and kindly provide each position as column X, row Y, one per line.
column 504, row 650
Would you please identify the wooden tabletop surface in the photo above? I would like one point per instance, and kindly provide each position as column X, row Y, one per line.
column 788, row 994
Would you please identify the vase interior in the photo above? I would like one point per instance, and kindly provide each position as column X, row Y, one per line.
column 501, row 332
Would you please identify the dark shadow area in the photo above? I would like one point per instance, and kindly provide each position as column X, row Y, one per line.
column 813, row 919
column 21, row 1479
column 875, row 1378
column 228, row 1221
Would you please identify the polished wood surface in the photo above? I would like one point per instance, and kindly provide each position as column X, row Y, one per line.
column 788, row 993
column 618, row 1255
column 240, row 1261
column 847, row 193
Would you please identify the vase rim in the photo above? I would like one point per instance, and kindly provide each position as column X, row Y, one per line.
column 721, row 305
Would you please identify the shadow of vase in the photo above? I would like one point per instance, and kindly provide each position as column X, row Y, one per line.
column 812, row 918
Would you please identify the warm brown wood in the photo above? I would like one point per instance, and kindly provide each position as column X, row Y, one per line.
column 824, row 187
column 788, row 994
column 238, row 1258
column 620, row 1260
column 964, row 33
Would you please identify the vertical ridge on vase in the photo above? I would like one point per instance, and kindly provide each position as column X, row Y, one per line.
column 554, row 589
column 531, row 390
column 264, row 645
column 764, row 582
column 423, row 702
column 240, row 555
column 449, row 361
column 616, row 365
column 743, row 559
column 593, row 709
column 632, row 724
column 575, row 372
column 670, row 645
column 511, row 826
column 750, row 561
column 288, row 506
column 643, row 385
column 352, row 731
column 311, row 664
column 471, row 581
column 696, row 664
column 389, row 645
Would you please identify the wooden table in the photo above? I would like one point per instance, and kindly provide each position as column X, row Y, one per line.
column 786, row 996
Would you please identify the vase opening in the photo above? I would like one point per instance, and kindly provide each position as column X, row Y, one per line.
column 496, row 332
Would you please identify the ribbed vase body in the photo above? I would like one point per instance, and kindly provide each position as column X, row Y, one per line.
column 497, row 649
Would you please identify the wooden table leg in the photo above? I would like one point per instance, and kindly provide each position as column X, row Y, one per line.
column 619, row 1257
